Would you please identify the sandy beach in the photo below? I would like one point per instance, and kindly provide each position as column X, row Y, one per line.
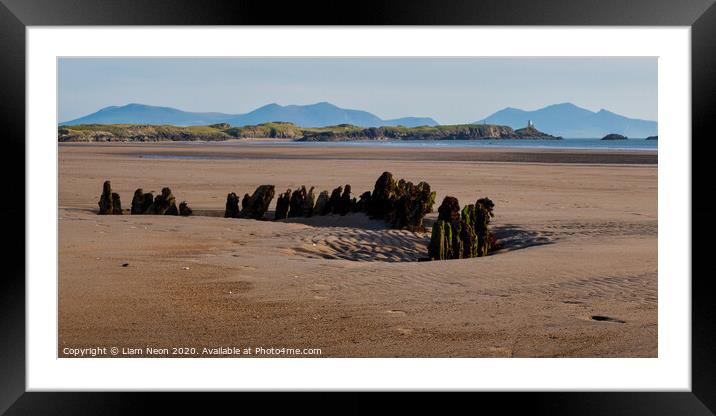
column 577, row 276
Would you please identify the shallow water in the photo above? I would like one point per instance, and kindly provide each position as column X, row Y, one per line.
column 584, row 144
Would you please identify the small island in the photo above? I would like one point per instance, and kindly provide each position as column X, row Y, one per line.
column 652, row 138
column 614, row 136
column 290, row 131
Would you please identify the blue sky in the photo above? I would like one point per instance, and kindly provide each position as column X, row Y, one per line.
column 451, row 90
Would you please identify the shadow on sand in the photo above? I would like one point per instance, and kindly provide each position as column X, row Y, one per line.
column 357, row 237
column 353, row 220
column 514, row 238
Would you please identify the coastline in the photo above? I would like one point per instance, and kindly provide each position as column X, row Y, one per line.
column 260, row 150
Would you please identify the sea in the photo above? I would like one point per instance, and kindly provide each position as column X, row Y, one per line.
column 583, row 144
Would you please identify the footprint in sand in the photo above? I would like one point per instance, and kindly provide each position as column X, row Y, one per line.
column 242, row 265
column 601, row 318
column 500, row 352
column 319, row 286
column 397, row 312
column 405, row 331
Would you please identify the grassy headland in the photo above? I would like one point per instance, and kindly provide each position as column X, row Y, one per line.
column 282, row 130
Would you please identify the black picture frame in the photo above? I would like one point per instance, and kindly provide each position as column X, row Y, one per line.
column 16, row 15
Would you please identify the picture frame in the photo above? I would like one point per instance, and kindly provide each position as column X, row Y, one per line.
column 16, row 15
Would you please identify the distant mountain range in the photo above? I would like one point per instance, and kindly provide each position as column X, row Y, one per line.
column 569, row 121
column 566, row 120
column 314, row 115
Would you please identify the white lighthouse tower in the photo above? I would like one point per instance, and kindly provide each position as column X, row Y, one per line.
column 530, row 123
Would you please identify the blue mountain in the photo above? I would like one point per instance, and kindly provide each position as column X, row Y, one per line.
column 569, row 121
column 147, row 114
column 314, row 115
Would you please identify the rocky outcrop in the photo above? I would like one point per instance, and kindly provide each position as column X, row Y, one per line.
column 652, row 138
column 109, row 202
column 139, row 133
column 462, row 234
column 531, row 133
column 257, row 204
column 232, row 206
column 283, row 205
column 284, row 130
column 445, row 132
column 614, row 136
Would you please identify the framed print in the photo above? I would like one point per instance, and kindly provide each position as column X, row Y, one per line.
column 451, row 197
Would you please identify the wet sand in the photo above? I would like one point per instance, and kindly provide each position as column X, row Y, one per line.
column 577, row 277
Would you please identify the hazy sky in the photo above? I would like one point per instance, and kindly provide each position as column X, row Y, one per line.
column 450, row 90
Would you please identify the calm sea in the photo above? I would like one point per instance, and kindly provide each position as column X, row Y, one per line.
column 631, row 144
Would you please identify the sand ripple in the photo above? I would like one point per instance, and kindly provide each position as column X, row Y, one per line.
column 363, row 245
